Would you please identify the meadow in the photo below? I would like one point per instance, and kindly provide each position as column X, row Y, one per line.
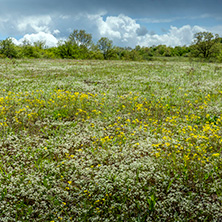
column 110, row 141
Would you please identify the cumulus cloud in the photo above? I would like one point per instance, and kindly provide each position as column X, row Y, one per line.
column 123, row 30
column 216, row 29
column 117, row 26
column 48, row 38
column 142, row 31
column 22, row 25
column 34, row 23
column 174, row 37
column 56, row 32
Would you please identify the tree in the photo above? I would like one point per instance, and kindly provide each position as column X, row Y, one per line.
column 7, row 48
column 40, row 44
column 180, row 51
column 67, row 50
column 205, row 44
column 77, row 46
column 80, row 38
column 28, row 50
column 95, row 53
column 105, row 46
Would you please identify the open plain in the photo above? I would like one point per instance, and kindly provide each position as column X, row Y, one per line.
column 110, row 141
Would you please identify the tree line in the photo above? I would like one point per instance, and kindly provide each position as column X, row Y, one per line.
column 79, row 45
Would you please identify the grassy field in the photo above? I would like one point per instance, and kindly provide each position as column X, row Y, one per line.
column 110, row 141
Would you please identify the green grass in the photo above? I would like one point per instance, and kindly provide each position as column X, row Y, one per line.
column 110, row 141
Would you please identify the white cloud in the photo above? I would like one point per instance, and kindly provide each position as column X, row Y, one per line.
column 216, row 29
column 174, row 37
column 56, row 32
column 121, row 29
column 48, row 38
column 34, row 23
column 125, row 31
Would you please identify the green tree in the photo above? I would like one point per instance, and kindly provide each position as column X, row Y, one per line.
column 95, row 53
column 40, row 44
column 51, row 53
column 7, row 48
column 205, row 44
column 77, row 45
column 145, row 52
column 162, row 50
column 28, row 50
column 180, row 51
column 80, row 38
column 105, row 46
column 67, row 50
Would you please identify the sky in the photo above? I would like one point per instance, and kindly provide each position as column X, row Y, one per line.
column 127, row 23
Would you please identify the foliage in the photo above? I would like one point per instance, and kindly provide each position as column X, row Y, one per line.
column 67, row 50
column 205, row 44
column 79, row 45
column 106, row 47
column 7, row 48
column 80, row 38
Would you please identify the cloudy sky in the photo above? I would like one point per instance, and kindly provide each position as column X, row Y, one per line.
column 126, row 22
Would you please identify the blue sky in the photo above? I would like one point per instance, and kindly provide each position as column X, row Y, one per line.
column 126, row 22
